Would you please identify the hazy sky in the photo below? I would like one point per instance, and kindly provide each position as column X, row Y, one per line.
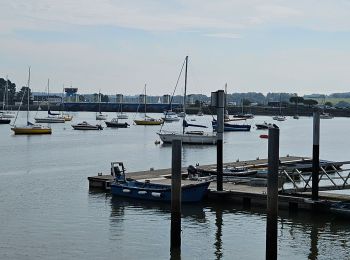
column 116, row 45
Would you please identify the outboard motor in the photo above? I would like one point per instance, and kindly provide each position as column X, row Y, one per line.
column 192, row 171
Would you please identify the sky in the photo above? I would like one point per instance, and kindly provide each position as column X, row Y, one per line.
column 116, row 46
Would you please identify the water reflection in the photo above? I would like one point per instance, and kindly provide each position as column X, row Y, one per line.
column 301, row 234
column 191, row 211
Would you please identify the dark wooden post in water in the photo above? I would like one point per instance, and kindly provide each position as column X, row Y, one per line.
column 272, row 193
column 218, row 99
column 175, row 239
column 315, row 155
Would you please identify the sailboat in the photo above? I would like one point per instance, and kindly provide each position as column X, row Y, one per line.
column 188, row 137
column 99, row 115
column 122, row 115
column 30, row 128
column 51, row 117
column 6, row 113
column 242, row 114
column 280, row 117
column 66, row 116
column 148, row 120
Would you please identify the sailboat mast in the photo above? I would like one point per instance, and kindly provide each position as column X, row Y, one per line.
column 48, row 95
column 99, row 102
column 6, row 103
column 183, row 126
column 145, row 100
column 28, row 84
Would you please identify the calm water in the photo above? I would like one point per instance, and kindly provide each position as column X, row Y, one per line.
column 48, row 212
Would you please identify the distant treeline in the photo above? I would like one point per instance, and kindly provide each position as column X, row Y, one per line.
column 248, row 98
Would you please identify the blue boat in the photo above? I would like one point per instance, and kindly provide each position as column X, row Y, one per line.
column 232, row 127
column 124, row 187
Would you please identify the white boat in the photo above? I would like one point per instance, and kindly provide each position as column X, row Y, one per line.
column 86, row 126
column 169, row 112
column 5, row 113
column 188, row 137
column 122, row 116
column 51, row 117
column 326, row 116
column 170, row 118
column 181, row 114
column 279, row 118
column 99, row 115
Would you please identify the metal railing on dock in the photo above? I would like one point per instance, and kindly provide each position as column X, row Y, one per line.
column 332, row 176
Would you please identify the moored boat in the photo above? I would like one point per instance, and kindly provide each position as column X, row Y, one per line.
column 188, row 137
column 145, row 190
column 86, row 126
column 4, row 121
column 263, row 126
column 30, row 129
column 232, row 127
column 116, row 124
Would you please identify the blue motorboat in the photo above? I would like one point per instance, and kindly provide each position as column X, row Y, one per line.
column 232, row 127
column 193, row 192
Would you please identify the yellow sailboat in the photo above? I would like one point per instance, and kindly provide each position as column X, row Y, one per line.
column 30, row 129
column 148, row 120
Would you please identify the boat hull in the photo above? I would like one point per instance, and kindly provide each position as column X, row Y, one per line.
column 234, row 128
column 122, row 116
column 159, row 192
column 188, row 138
column 4, row 121
column 50, row 120
column 75, row 127
column 146, row 122
column 7, row 115
column 31, row 131
column 117, row 125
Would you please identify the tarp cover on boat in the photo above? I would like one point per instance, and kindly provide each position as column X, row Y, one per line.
column 185, row 124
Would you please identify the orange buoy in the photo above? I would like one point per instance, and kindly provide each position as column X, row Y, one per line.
column 264, row 136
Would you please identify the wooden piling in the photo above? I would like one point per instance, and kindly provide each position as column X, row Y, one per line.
column 272, row 193
column 175, row 239
column 220, row 108
column 315, row 155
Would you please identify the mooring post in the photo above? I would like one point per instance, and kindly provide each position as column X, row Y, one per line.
column 175, row 238
column 272, row 193
column 315, row 155
column 220, row 110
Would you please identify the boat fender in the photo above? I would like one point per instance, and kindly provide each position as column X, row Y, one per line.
column 126, row 190
column 156, row 194
column 142, row 192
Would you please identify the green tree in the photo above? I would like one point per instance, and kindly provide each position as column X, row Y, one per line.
column 246, row 102
column 310, row 102
column 296, row 100
column 23, row 93
column 11, row 91
column 328, row 104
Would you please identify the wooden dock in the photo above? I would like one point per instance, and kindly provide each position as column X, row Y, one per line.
column 235, row 192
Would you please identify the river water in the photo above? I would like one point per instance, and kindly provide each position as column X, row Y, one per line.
column 48, row 212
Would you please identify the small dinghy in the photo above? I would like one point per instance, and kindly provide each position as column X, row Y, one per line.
column 145, row 190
